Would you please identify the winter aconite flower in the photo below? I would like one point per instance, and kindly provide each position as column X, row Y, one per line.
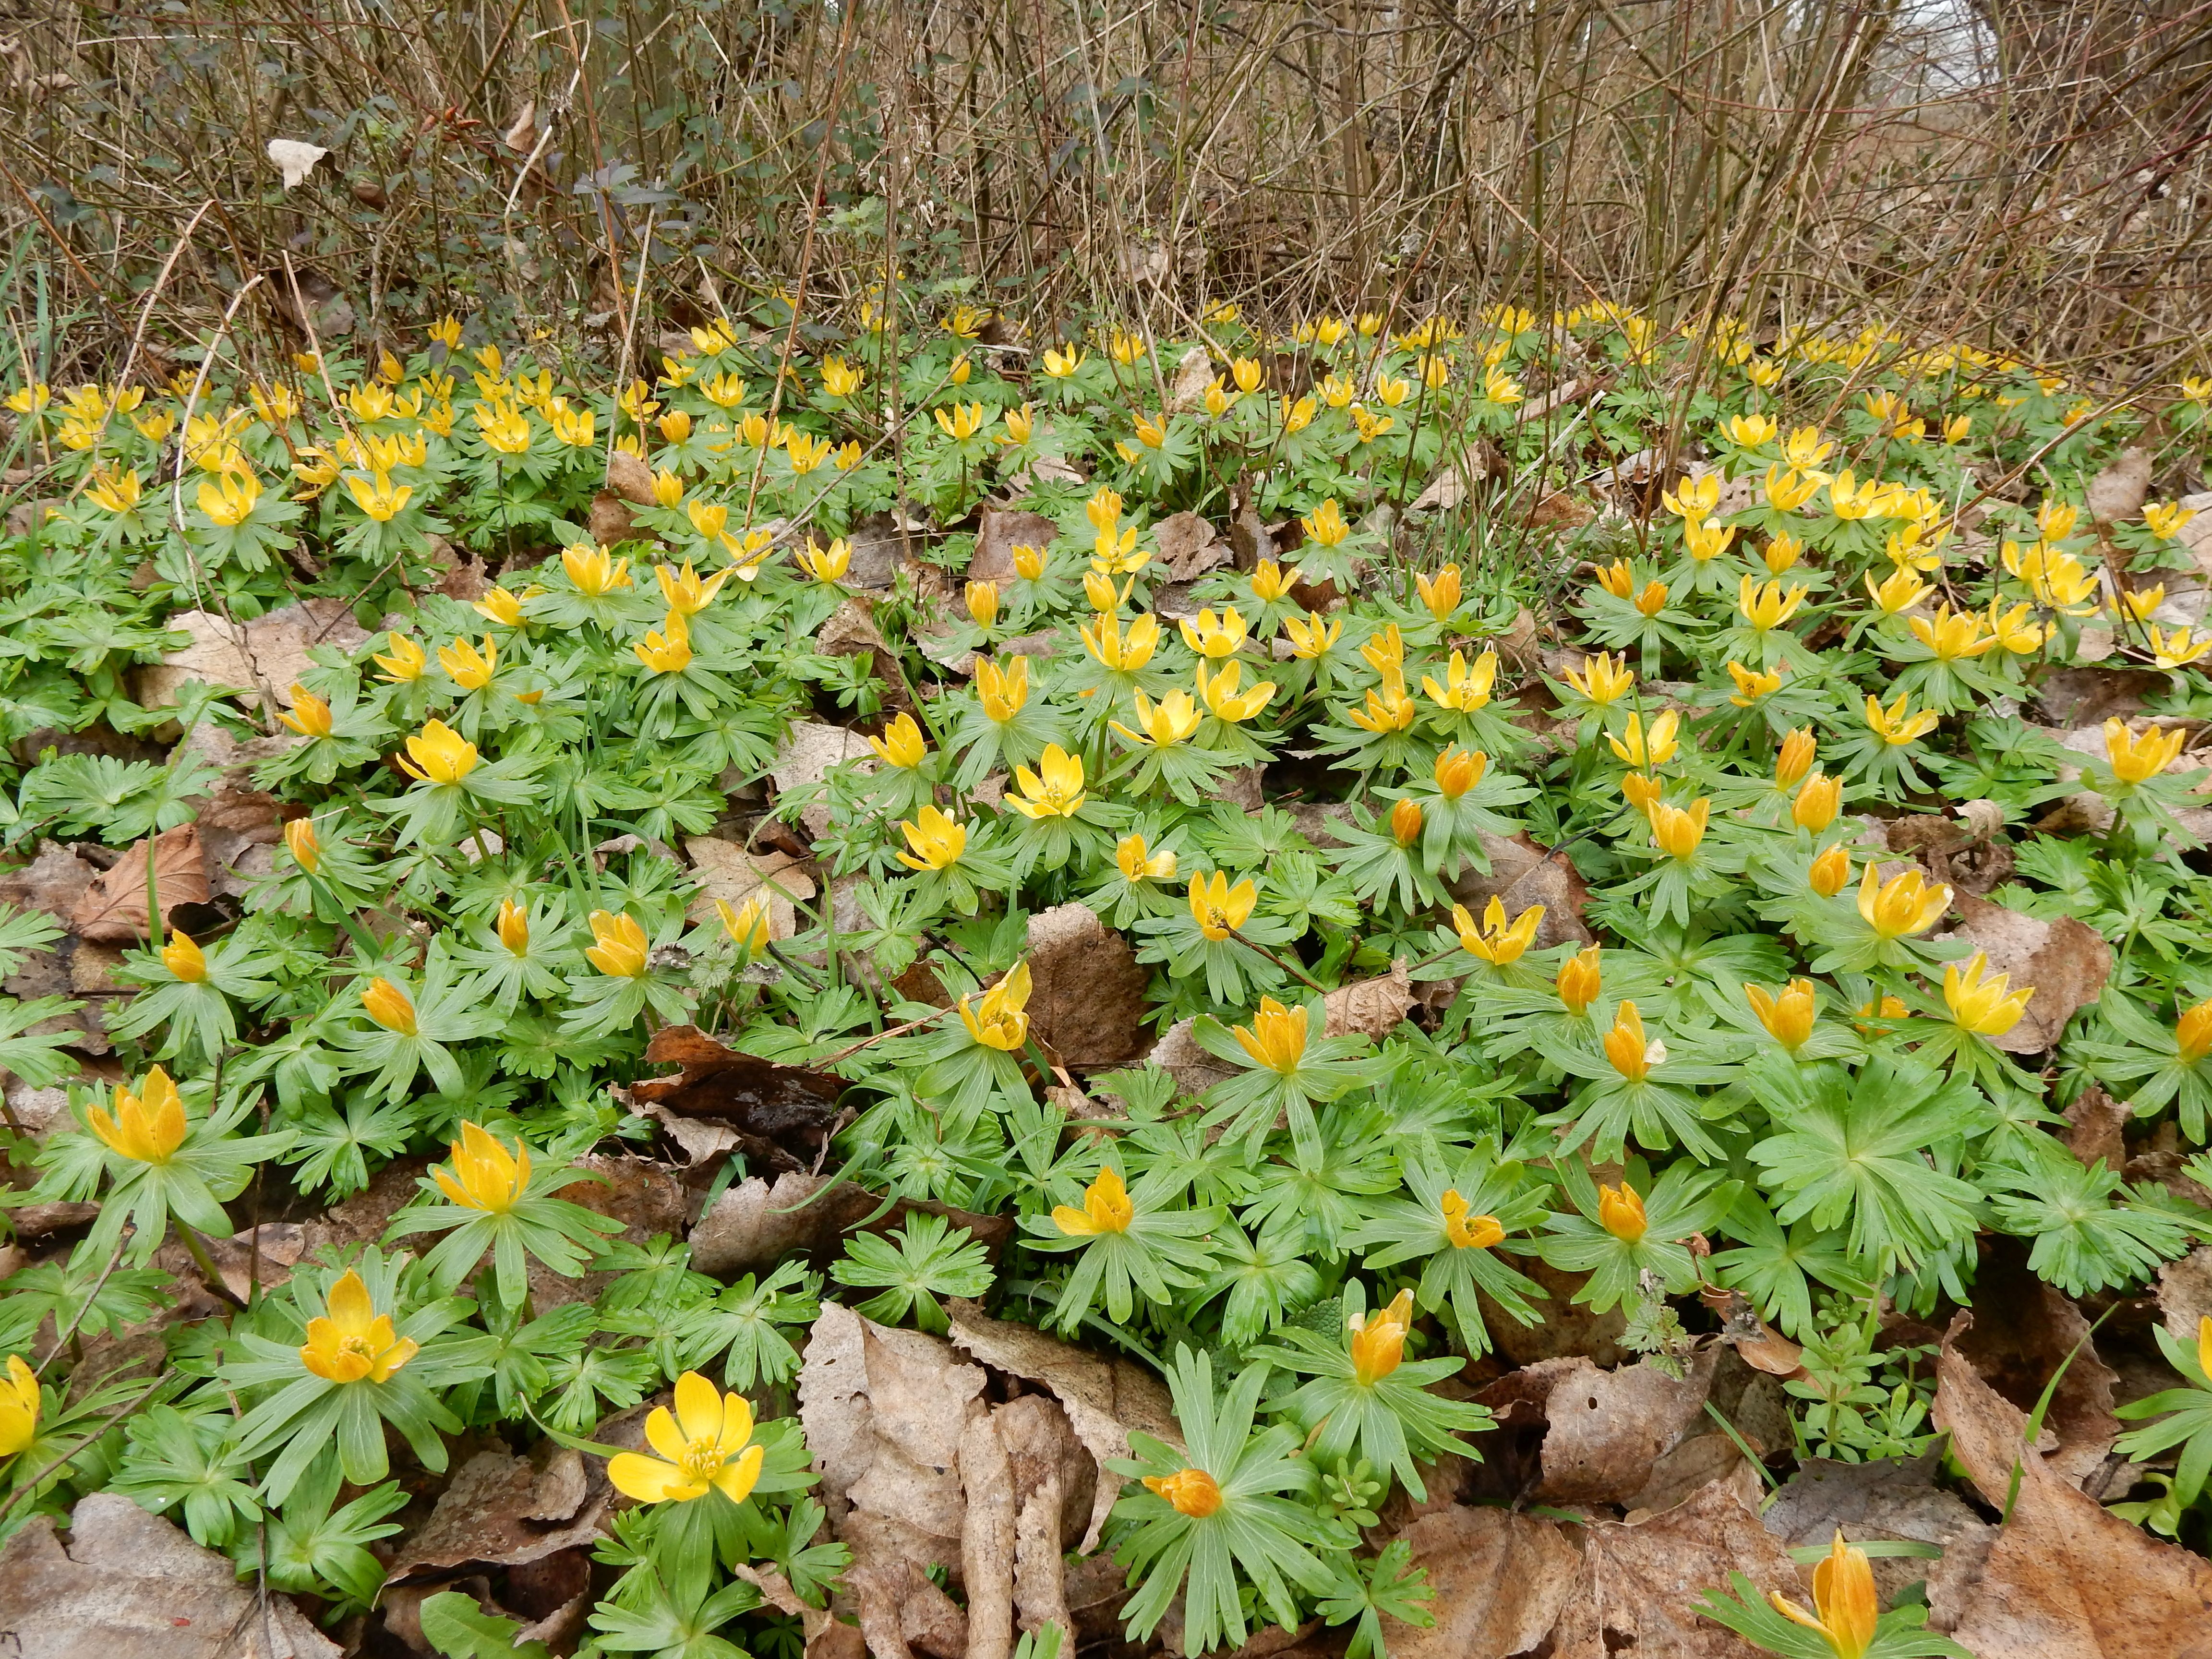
column 1219, row 908
column 485, row 1175
column 705, row 1444
column 406, row 662
column 1818, row 800
column 2138, row 758
column 1212, row 634
column 1497, row 941
column 1787, row 1014
column 997, row 1019
column 1053, row 790
column 184, row 958
column 1620, row 1212
column 309, row 716
column 1137, row 863
column 901, row 743
column 1467, row 1231
column 669, row 650
column 352, row 1341
column 1844, row 1611
column 19, row 1407
column 1276, row 1039
column 300, row 839
column 1830, row 872
column 389, row 1006
column 619, row 946
column 1603, row 679
column 935, row 842
column 1192, row 1492
column 1984, row 1005
column 1896, row 725
column 1626, row 1049
column 1106, row 1208
column 1164, row 723
column 1579, row 980
column 1378, row 1340
column 440, row 754
column 1905, row 904
column 147, row 1127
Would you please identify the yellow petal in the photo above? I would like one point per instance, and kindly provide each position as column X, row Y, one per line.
column 647, row 1480
column 736, row 1478
column 698, row 1408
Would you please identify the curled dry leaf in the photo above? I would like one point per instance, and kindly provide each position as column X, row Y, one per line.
column 1370, row 1007
column 112, row 910
column 1501, row 1581
column 504, row 1511
column 2024, row 1332
column 1087, row 992
column 131, row 1586
column 2118, row 491
column 1104, row 1399
column 2065, row 1579
column 2066, row 961
column 1606, row 1430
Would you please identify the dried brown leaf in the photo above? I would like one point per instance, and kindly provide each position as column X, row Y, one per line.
column 504, row 1511
column 986, row 1539
column 1087, row 992
column 1606, row 1429
column 1500, row 1583
column 1372, row 1007
column 112, row 910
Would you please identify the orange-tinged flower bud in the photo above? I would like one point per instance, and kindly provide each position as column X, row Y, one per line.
column 1787, row 1016
column 2192, row 1032
column 1795, row 758
column 300, row 839
column 1192, row 1492
column 1818, row 800
column 184, row 958
column 1620, row 1212
column 1458, row 770
column 513, row 927
column 1629, row 1051
column 1468, row 1232
column 388, row 1005
column 1406, row 821
column 1641, row 790
column 1677, row 832
column 1579, row 980
column 1378, row 1338
column 1845, row 1611
column 1831, row 871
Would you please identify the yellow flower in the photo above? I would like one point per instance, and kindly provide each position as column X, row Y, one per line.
column 1830, row 872
column 1106, row 1209
column 1765, row 605
column 1656, row 748
column 147, row 1127
column 1579, row 980
column 1059, row 364
column 1782, row 553
column 2019, row 633
column 503, row 606
column 1221, row 696
column 485, row 1175
column 1388, row 709
column 1468, row 1232
column 1458, row 770
column 114, row 490
column 1982, row 1005
column 1219, row 908
column 839, row 378
column 829, row 565
column 2192, row 1032
column 1312, row 636
column 594, row 572
column 1002, row 691
column 513, row 927
column 1136, row 864
column 687, row 596
column 2165, row 520
column 1626, row 1049
column 309, row 716
column 1496, row 941
column 1678, row 832
column 229, row 498
column 668, row 487
column 707, row 1444
column 1167, row 721
column 1385, row 652
column 405, row 662
column 1749, row 431
column 1406, row 822
column 1617, row 579
column 1693, row 499
column 1952, row 635
column 2137, row 759
column 619, row 946
column 1706, row 540
column 1325, row 525
column 1642, row 790
column 19, row 1407
column 1751, row 685
column 1276, row 1039
column 2179, row 648
column 184, row 958
column 1848, row 499
column 379, row 497
column 1795, row 757
column 746, row 924
column 806, row 454
column 1054, row 790
column 1957, row 428
column 1788, row 1015
column 352, row 1341
column 388, row 1005
column 300, row 839
column 1895, row 724
column 1620, row 1212
column 438, row 755
column 1603, row 679
column 1441, row 596
column 724, row 390
column 1189, row 1491
column 1211, row 635
column 668, row 650
column 1029, row 561
column 936, row 841
column 466, row 665
column 1845, row 1611
column 1905, row 904
column 901, row 744
column 2139, row 603
column 1818, row 800
column 1466, row 688
column 1378, row 1338
column 1787, row 488
column 2055, row 520
column 962, row 421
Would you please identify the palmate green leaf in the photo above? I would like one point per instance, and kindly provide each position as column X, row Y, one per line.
column 457, row 1627
column 1257, row 1535
column 1775, row 1267
column 1367, row 1592
column 1856, row 1150
column 1456, row 1276
column 916, row 1265
column 312, row 1550
column 188, row 1461
column 2082, row 1240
